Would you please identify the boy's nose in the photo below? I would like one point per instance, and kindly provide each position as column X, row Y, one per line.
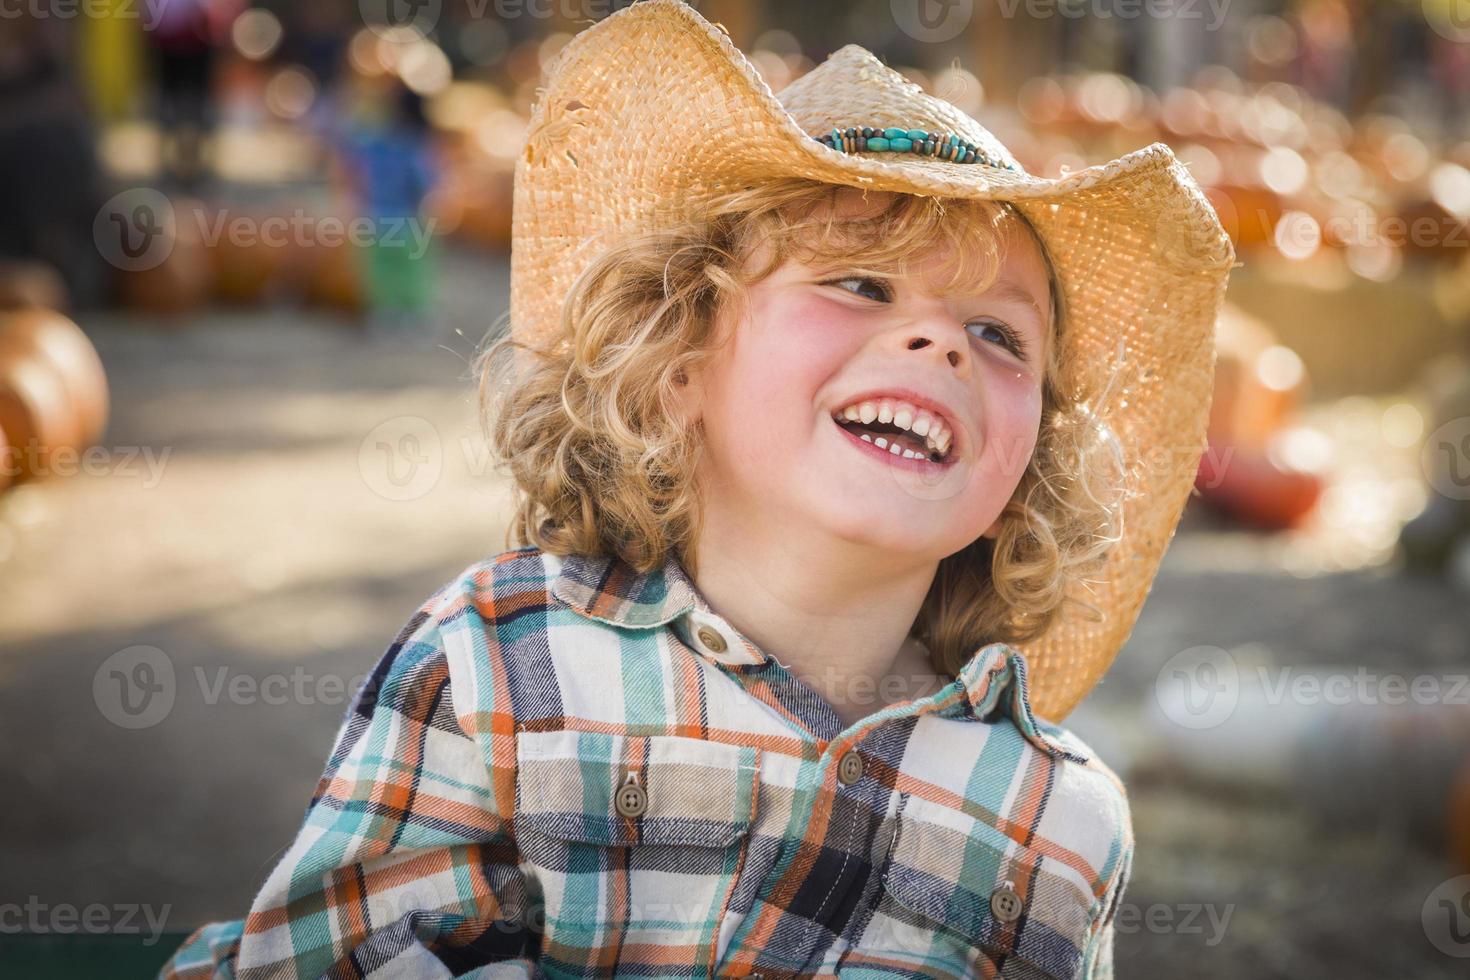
column 947, row 343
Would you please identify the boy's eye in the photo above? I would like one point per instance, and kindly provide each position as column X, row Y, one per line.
column 876, row 285
column 999, row 333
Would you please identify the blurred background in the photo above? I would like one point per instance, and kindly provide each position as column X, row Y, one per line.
column 247, row 251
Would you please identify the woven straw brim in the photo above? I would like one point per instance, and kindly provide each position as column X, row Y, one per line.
column 651, row 111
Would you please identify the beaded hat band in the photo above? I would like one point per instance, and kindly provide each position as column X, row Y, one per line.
column 1139, row 253
column 894, row 139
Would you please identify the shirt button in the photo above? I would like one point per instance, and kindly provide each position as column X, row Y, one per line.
column 711, row 639
column 631, row 799
column 850, row 767
column 715, row 639
column 1005, row 903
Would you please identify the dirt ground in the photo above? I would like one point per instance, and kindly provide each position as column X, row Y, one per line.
column 279, row 492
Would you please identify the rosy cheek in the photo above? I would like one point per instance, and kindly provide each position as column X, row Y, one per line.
column 1013, row 404
column 769, row 377
column 797, row 344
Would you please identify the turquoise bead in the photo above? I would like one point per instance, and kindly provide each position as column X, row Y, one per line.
column 895, row 134
column 918, row 135
column 837, row 138
column 877, row 143
column 901, row 144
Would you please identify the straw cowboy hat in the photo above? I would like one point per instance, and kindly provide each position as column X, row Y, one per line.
column 653, row 109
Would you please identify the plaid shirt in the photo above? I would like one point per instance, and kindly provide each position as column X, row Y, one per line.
column 564, row 768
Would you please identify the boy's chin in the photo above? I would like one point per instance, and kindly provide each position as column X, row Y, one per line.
column 881, row 529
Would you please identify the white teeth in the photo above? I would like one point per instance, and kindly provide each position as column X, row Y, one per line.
column 881, row 443
column 896, row 449
column 889, row 411
column 865, row 437
column 910, row 454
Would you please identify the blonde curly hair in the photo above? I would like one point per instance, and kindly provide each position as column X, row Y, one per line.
column 601, row 463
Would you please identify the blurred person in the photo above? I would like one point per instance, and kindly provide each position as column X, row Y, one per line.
column 51, row 182
column 387, row 160
column 183, row 37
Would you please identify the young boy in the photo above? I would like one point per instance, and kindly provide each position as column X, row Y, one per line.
column 796, row 466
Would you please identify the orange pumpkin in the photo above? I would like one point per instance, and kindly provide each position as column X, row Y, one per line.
column 35, row 412
column 180, row 282
column 1254, row 490
column 64, row 345
column 245, row 270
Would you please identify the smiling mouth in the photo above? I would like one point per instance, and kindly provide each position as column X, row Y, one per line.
column 895, row 442
column 908, row 430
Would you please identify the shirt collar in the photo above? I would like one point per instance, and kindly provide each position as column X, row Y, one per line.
column 609, row 590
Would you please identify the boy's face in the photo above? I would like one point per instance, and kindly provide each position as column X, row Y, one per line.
column 813, row 343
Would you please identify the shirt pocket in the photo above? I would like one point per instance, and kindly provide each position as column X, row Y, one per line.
column 652, row 872
column 956, row 889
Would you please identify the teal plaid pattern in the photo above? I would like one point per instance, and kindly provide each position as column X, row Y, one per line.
column 552, row 772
